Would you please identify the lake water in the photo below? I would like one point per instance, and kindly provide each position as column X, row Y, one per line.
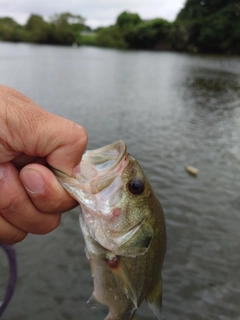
column 172, row 110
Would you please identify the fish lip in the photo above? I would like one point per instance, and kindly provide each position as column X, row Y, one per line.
column 90, row 156
column 97, row 170
column 100, row 167
column 102, row 156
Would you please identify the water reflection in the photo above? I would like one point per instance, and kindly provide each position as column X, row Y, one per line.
column 210, row 89
column 173, row 110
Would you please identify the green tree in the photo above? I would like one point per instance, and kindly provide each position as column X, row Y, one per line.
column 199, row 9
column 130, row 31
column 61, row 31
column 37, row 30
column 110, row 37
column 126, row 20
column 149, row 35
column 221, row 31
column 66, row 28
column 115, row 36
column 209, row 26
column 10, row 30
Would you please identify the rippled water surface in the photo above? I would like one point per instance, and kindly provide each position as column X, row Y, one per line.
column 172, row 110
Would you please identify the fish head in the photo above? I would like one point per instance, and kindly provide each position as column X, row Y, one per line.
column 114, row 194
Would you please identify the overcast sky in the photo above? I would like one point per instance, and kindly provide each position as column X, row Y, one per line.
column 96, row 12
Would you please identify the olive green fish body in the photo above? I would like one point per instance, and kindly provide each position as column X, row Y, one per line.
column 124, row 230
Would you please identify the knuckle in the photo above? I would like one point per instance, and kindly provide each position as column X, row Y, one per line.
column 10, row 234
column 16, row 237
column 11, row 204
column 51, row 222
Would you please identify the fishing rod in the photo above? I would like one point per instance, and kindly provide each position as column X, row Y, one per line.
column 12, row 259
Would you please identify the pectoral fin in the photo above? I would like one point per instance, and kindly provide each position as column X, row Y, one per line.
column 93, row 302
column 154, row 300
column 123, row 278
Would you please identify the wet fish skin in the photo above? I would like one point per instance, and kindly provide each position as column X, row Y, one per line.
column 126, row 254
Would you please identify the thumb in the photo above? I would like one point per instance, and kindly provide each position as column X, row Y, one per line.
column 66, row 146
column 35, row 132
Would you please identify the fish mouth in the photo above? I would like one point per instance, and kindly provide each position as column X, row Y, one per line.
column 98, row 168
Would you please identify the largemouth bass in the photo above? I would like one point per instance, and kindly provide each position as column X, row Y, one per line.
column 124, row 230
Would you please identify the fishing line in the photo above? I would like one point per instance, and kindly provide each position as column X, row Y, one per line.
column 12, row 259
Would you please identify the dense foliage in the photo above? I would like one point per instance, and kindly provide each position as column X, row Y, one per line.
column 208, row 26
column 201, row 26
column 63, row 29
column 130, row 31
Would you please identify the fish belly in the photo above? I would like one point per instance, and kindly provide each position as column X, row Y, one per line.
column 108, row 292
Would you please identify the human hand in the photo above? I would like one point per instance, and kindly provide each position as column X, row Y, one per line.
column 31, row 199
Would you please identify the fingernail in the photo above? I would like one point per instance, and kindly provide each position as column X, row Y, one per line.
column 1, row 171
column 32, row 181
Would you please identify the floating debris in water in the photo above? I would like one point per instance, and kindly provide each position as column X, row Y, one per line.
column 192, row 170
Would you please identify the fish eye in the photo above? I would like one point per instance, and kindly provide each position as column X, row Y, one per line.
column 136, row 186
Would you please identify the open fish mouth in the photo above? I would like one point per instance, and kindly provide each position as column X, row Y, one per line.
column 100, row 161
column 99, row 167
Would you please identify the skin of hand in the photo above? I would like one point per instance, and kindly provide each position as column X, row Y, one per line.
column 31, row 199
